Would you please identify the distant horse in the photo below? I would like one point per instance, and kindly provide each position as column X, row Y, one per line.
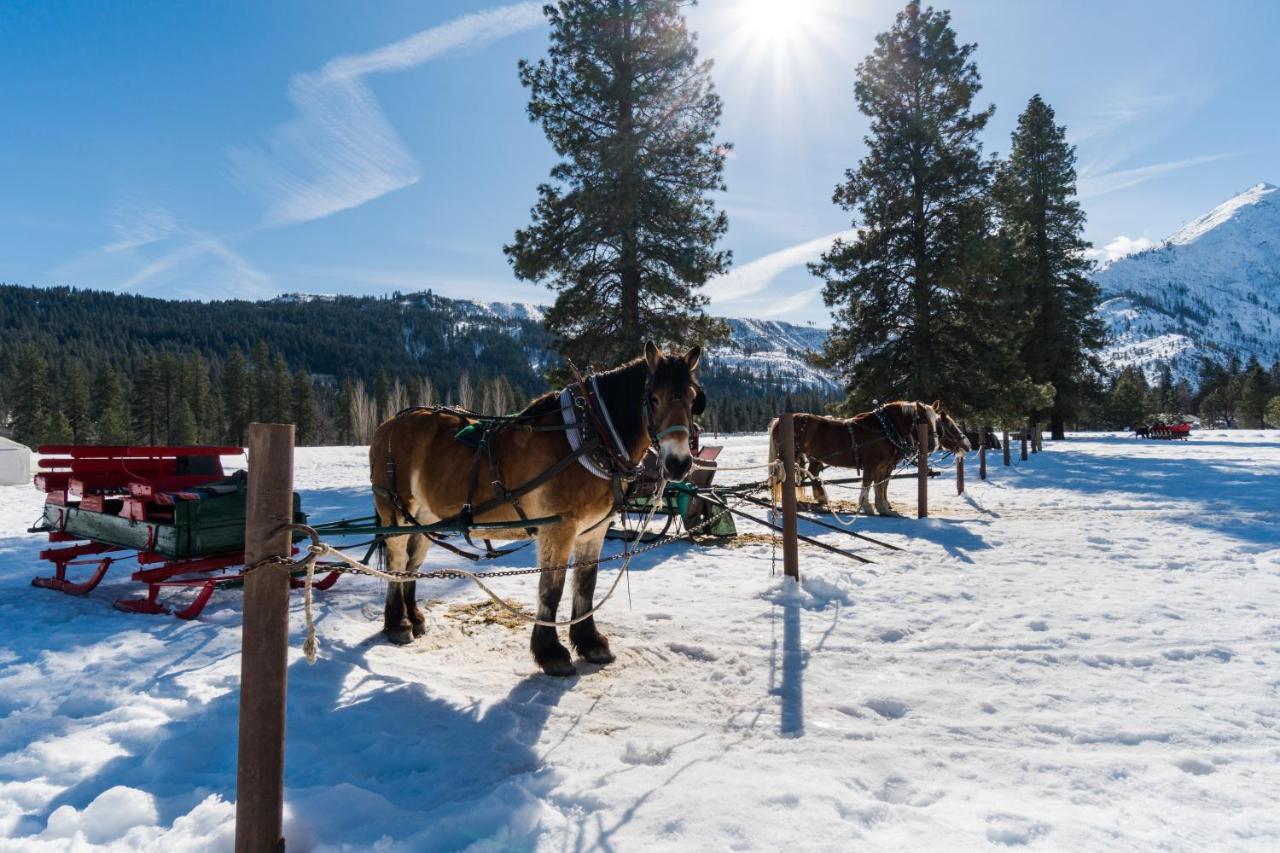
column 1142, row 432
column 529, row 469
column 875, row 442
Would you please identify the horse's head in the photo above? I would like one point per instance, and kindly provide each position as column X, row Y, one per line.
column 950, row 436
column 672, row 398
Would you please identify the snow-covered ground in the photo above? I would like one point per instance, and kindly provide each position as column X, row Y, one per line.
column 1083, row 652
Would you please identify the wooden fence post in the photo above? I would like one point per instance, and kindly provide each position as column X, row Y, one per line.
column 959, row 473
column 264, row 644
column 982, row 453
column 1004, row 440
column 790, row 546
column 922, row 468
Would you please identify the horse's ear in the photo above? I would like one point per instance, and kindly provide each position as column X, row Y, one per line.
column 937, row 406
column 652, row 355
column 692, row 356
column 699, row 401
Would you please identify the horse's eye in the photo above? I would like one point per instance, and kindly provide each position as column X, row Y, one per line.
column 653, row 401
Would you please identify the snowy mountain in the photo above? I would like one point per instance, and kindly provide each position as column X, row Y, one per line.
column 1210, row 290
column 775, row 348
column 764, row 348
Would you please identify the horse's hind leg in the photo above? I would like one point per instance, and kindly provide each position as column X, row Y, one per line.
column 396, row 623
column 555, row 543
column 584, row 636
column 418, row 545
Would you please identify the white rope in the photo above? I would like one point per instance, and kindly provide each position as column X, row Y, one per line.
column 316, row 551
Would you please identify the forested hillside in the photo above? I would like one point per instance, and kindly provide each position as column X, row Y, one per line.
column 91, row 366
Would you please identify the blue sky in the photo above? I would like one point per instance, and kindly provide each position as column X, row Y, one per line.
column 244, row 149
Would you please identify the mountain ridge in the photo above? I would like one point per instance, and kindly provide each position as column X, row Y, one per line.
column 1210, row 290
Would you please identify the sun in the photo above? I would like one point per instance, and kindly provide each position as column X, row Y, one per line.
column 779, row 50
column 776, row 22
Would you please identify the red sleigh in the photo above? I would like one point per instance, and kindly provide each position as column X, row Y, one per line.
column 172, row 509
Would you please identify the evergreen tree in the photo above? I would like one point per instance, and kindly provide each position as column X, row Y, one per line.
column 30, row 397
column 1127, row 402
column 1035, row 193
column 1273, row 413
column 75, row 401
column 304, row 409
column 145, row 401
column 343, row 413
column 262, row 401
column 382, row 397
column 281, row 407
column 1255, row 389
column 112, row 424
column 626, row 230
column 182, row 429
column 169, row 397
column 900, row 289
column 235, row 397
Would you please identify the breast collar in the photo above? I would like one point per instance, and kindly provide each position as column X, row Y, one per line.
column 580, row 429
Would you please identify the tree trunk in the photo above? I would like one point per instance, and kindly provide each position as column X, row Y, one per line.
column 1057, row 426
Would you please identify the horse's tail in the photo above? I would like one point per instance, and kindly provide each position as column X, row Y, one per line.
column 775, row 457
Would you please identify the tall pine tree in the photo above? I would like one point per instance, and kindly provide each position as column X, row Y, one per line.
column 625, row 232
column 900, row 290
column 235, row 397
column 1035, row 194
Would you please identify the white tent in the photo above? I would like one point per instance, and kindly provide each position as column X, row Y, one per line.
column 15, row 463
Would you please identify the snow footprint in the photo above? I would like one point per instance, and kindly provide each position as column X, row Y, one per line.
column 698, row 653
column 649, row 756
column 890, row 709
column 1014, row 831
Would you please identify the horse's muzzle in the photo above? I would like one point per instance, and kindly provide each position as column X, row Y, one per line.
column 676, row 467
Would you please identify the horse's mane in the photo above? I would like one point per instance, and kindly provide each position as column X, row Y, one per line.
column 622, row 389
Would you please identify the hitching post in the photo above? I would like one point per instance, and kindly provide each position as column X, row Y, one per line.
column 790, row 546
column 922, row 466
column 1004, row 440
column 982, row 453
column 959, row 473
column 264, row 646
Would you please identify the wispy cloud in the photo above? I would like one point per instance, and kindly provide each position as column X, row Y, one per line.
column 756, row 275
column 1119, row 247
column 339, row 151
column 226, row 270
column 787, row 304
column 139, row 225
column 1093, row 185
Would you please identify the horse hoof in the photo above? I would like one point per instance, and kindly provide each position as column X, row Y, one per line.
column 401, row 636
column 600, row 655
column 419, row 628
column 559, row 668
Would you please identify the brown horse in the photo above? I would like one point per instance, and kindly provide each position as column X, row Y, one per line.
column 530, row 469
column 875, row 442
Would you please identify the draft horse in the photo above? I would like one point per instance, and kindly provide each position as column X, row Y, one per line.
column 566, row 456
column 875, row 442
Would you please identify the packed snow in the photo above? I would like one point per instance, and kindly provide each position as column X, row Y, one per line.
column 1082, row 652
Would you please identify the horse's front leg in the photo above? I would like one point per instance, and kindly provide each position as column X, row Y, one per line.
column 584, row 635
column 864, row 503
column 819, row 490
column 555, row 543
column 396, row 624
column 882, row 492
